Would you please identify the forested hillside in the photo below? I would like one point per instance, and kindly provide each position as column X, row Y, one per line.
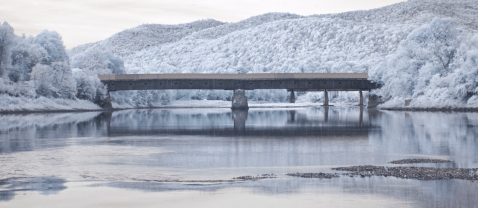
column 425, row 50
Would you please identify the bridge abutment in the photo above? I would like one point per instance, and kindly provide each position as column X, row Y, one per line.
column 374, row 100
column 239, row 100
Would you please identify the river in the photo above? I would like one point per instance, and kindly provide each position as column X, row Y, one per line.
column 189, row 157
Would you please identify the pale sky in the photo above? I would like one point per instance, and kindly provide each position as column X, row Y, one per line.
column 85, row 21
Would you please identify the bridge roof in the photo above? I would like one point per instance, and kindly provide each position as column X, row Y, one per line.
column 236, row 76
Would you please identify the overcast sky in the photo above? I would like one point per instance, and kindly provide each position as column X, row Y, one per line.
column 84, row 21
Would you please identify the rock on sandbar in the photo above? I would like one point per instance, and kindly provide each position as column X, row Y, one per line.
column 410, row 161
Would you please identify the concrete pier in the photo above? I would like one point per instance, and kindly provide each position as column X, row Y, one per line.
column 239, row 100
column 360, row 102
column 292, row 96
column 326, row 98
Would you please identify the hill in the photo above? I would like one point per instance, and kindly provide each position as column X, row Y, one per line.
column 421, row 49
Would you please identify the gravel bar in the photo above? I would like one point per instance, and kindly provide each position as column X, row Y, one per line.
column 314, row 175
column 411, row 161
column 419, row 173
column 253, row 178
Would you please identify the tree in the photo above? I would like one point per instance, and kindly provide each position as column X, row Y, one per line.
column 55, row 80
column 43, row 81
column 24, row 56
column 89, row 87
column 63, row 79
column 96, row 61
column 51, row 41
column 7, row 40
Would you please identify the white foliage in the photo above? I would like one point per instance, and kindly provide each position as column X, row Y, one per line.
column 51, row 41
column 25, row 55
column 54, row 81
column 224, row 29
column 89, row 87
column 144, row 36
column 95, row 61
column 21, row 103
column 425, row 50
column 435, row 66
column 7, row 40
column 43, row 58
column 418, row 12
column 403, row 46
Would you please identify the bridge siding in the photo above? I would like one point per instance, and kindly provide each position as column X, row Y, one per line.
column 232, row 84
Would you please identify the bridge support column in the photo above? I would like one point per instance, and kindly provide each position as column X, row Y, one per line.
column 239, row 100
column 360, row 102
column 107, row 105
column 326, row 98
column 292, row 96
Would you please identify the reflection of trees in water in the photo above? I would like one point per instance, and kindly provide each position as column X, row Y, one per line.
column 429, row 133
column 434, row 133
column 442, row 193
column 216, row 118
column 450, row 134
column 262, row 122
column 44, row 185
column 6, row 195
column 25, row 132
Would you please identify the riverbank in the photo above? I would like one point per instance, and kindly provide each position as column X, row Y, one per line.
column 67, row 106
column 9, row 104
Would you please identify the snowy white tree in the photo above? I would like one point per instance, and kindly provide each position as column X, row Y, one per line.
column 43, row 81
column 51, row 41
column 91, row 63
column 54, row 80
column 95, row 61
column 7, row 40
column 421, row 49
column 25, row 55
column 89, row 87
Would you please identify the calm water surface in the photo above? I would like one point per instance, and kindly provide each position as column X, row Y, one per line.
column 99, row 159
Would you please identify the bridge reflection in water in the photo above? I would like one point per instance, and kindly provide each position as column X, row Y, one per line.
column 325, row 121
